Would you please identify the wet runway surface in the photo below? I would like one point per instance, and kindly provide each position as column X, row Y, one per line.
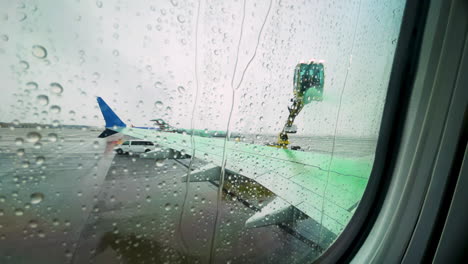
column 67, row 198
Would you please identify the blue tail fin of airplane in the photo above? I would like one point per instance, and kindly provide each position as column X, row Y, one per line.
column 112, row 120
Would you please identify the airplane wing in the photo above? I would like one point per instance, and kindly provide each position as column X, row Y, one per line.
column 324, row 187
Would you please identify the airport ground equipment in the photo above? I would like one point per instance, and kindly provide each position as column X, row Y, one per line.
column 309, row 79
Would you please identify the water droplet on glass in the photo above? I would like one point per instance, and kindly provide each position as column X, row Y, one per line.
column 56, row 88
column 115, row 53
column 42, row 99
column 40, row 160
column 5, row 38
column 19, row 212
column 39, row 51
column 181, row 89
column 33, row 224
column 40, row 234
column 19, row 141
column 22, row 16
column 36, row 198
column 55, row 109
column 33, row 137
column 52, row 137
column 159, row 104
column 99, row 4
column 32, row 85
column 25, row 164
column 158, row 85
column 181, row 19
column 20, row 152
column 160, row 163
column 167, row 207
column 24, row 65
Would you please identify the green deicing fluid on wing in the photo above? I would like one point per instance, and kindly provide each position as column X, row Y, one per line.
column 297, row 177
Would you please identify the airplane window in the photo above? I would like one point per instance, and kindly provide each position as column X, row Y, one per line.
column 265, row 117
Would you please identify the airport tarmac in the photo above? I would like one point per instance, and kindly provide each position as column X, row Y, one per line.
column 65, row 197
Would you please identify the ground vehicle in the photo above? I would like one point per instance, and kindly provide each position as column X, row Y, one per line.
column 134, row 146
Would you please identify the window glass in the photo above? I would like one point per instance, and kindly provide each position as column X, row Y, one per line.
column 265, row 116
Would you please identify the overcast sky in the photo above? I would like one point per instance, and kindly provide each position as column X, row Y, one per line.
column 140, row 56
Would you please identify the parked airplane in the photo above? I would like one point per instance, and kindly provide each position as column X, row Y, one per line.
column 327, row 189
column 160, row 125
column 163, row 126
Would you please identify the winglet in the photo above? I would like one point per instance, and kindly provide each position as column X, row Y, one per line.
column 112, row 120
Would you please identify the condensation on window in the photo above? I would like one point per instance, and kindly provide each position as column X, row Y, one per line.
column 187, row 131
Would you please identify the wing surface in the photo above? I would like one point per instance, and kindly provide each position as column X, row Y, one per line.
column 325, row 188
